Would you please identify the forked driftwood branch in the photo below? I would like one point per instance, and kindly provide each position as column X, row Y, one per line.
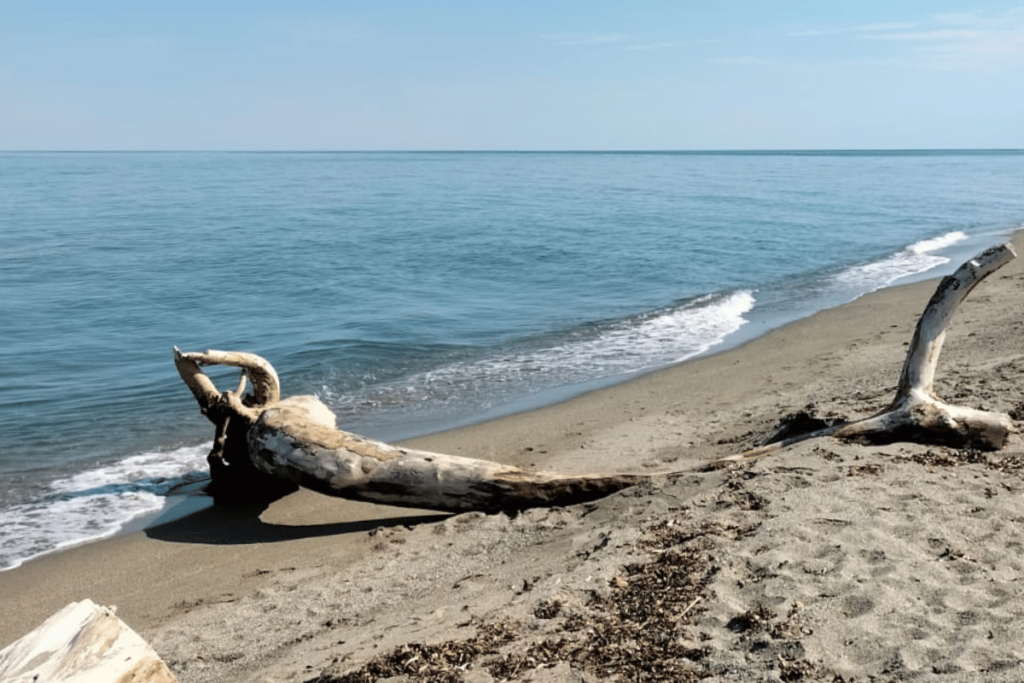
column 266, row 446
column 916, row 413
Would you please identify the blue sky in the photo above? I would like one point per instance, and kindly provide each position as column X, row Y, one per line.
column 553, row 74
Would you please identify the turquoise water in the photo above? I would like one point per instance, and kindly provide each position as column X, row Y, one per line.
column 415, row 291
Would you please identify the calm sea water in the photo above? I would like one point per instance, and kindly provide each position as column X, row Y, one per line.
column 415, row 291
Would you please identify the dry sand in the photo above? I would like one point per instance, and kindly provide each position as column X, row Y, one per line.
column 826, row 561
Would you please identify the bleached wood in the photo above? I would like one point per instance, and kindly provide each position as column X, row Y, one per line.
column 915, row 413
column 82, row 643
column 266, row 387
column 296, row 440
column 918, row 373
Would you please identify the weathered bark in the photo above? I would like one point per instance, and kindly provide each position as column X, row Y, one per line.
column 295, row 441
column 916, row 413
column 82, row 642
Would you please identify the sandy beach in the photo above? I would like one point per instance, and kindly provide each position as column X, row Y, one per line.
column 825, row 561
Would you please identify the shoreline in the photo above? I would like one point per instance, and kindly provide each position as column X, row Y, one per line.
column 759, row 322
column 214, row 562
column 193, row 501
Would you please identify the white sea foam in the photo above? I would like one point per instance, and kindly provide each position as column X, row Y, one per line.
column 917, row 258
column 667, row 337
column 95, row 504
column 936, row 243
column 602, row 351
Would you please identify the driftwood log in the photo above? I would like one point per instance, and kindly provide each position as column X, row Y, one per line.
column 916, row 413
column 82, row 643
column 295, row 442
column 266, row 446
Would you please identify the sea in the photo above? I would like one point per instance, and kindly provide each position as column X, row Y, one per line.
column 415, row 291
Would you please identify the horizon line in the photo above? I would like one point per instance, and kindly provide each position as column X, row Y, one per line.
column 752, row 150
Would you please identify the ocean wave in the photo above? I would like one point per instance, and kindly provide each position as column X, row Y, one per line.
column 590, row 352
column 96, row 503
column 936, row 243
column 914, row 259
column 665, row 337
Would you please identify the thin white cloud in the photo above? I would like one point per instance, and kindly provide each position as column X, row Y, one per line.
column 620, row 41
column 895, row 26
column 573, row 39
column 852, row 30
column 939, row 35
column 766, row 63
column 959, row 17
column 961, row 41
column 667, row 45
column 747, row 61
column 967, row 41
column 332, row 33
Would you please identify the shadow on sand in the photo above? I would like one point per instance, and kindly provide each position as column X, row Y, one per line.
column 241, row 525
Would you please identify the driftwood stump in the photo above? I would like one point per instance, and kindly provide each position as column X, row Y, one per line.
column 234, row 478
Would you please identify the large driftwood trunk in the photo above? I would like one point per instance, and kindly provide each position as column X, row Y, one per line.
column 295, row 441
column 82, row 643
